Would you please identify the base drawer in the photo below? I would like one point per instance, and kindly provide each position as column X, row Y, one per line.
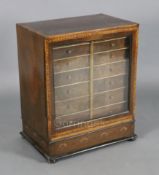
column 91, row 139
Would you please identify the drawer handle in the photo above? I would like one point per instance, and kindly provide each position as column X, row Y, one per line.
column 69, row 51
column 62, row 146
column 104, row 134
column 113, row 44
column 123, row 129
column 111, row 55
column 110, row 112
column 110, row 69
column 68, row 91
column 68, row 63
column 69, row 77
column 34, row 134
column 111, row 83
column 84, row 140
column 110, row 97
column 68, row 106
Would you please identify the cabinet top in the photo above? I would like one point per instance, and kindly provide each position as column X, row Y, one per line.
column 75, row 24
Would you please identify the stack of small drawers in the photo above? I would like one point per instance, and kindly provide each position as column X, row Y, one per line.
column 91, row 80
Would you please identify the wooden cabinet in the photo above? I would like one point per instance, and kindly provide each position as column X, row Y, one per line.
column 77, row 82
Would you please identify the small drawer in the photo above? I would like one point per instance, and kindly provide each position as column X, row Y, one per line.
column 71, row 51
column 70, row 64
column 111, row 69
column 109, row 57
column 110, row 110
column 101, row 71
column 73, row 91
column 72, row 106
column 119, row 68
column 118, row 108
column 113, row 44
column 78, row 76
column 110, row 83
column 100, row 100
column 110, row 97
column 101, row 58
column 118, row 95
column 119, row 55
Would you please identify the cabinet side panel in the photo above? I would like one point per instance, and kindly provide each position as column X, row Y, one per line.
column 32, row 86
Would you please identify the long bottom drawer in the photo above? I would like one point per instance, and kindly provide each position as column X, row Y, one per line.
column 91, row 139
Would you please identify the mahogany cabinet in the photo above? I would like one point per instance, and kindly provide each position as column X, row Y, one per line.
column 77, row 83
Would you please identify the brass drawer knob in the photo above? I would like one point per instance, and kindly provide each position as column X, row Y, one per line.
column 68, row 106
column 104, row 134
column 110, row 112
column 69, row 51
column 110, row 69
column 68, row 91
column 113, row 44
column 84, row 140
column 123, row 129
column 68, row 63
column 62, row 146
column 110, row 97
column 69, row 77
column 111, row 82
column 111, row 55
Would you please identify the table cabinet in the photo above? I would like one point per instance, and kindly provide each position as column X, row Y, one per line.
column 77, row 83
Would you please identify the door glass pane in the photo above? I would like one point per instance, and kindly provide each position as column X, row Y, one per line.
column 111, row 77
column 91, row 80
column 71, row 81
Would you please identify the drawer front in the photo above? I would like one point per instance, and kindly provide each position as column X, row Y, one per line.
column 71, row 64
column 112, row 109
column 71, row 77
column 106, row 84
column 110, row 44
column 92, row 139
column 109, row 57
column 72, row 91
column 110, row 97
column 111, row 69
column 72, row 106
column 117, row 96
column 71, row 51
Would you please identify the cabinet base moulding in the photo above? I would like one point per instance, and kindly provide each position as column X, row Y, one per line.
column 60, row 149
column 51, row 159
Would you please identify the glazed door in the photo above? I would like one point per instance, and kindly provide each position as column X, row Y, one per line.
column 91, row 80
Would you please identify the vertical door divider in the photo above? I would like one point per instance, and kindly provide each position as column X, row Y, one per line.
column 91, row 78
